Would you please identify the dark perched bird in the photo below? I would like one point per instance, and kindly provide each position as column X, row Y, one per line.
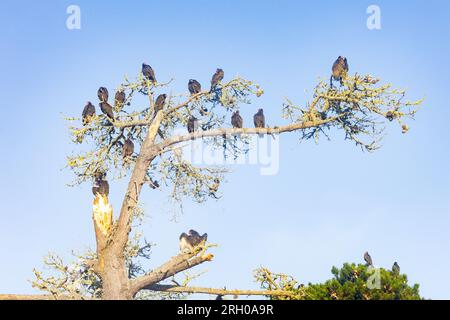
column 339, row 70
column 216, row 78
column 192, row 124
column 396, row 268
column 160, row 101
column 259, row 120
column 190, row 240
column 101, row 187
column 119, row 98
column 88, row 112
column 197, row 238
column 103, row 94
column 194, row 86
column 236, row 120
column 368, row 259
column 107, row 110
column 148, row 72
column 128, row 148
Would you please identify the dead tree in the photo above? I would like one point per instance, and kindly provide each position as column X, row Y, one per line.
column 358, row 109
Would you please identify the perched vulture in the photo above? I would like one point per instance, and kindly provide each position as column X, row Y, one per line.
column 368, row 259
column 194, row 86
column 119, row 99
column 396, row 268
column 259, row 119
column 160, row 101
column 236, row 120
column 196, row 238
column 88, row 112
column 101, row 187
column 189, row 241
column 148, row 72
column 216, row 78
column 103, row 94
column 339, row 70
column 192, row 124
column 107, row 110
column 128, row 148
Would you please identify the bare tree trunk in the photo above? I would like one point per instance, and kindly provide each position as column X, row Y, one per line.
column 116, row 285
column 110, row 248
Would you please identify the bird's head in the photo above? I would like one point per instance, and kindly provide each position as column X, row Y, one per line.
column 260, row 111
column 192, row 232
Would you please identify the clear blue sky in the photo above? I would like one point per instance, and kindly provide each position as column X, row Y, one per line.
column 395, row 203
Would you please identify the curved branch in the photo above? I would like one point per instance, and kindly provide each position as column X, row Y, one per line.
column 175, row 265
column 237, row 131
column 221, row 292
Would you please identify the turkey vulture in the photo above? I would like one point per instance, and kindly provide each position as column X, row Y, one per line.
column 160, row 101
column 236, row 120
column 259, row 120
column 197, row 238
column 148, row 72
column 88, row 112
column 368, row 259
column 192, row 124
column 101, row 187
column 107, row 110
column 339, row 70
column 194, row 86
column 396, row 268
column 119, row 98
column 191, row 240
column 128, row 148
column 103, row 94
column 216, row 78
